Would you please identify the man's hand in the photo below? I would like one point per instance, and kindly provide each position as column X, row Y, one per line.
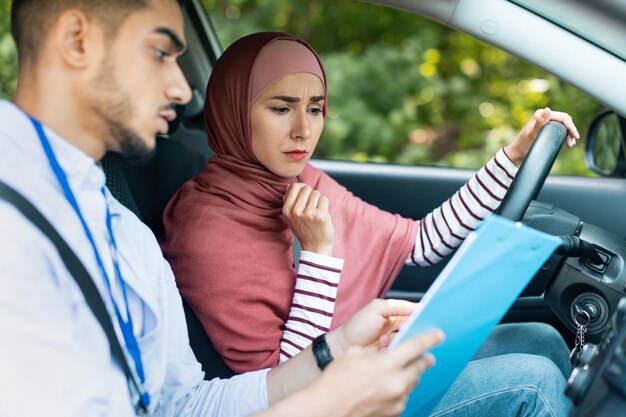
column 518, row 149
column 306, row 211
column 362, row 340
column 373, row 325
column 369, row 382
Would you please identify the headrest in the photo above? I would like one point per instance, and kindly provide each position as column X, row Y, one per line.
column 188, row 111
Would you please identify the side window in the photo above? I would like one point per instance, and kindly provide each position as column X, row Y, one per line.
column 406, row 90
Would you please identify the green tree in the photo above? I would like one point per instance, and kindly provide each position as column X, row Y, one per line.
column 404, row 89
column 8, row 55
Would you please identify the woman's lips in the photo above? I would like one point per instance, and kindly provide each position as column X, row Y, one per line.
column 297, row 155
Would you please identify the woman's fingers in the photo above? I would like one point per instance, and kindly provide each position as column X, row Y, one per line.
column 566, row 120
column 291, row 196
column 323, row 204
column 304, row 202
column 306, row 212
column 312, row 202
column 301, row 200
column 518, row 149
column 536, row 123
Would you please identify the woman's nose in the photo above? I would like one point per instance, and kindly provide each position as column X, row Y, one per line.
column 301, row 129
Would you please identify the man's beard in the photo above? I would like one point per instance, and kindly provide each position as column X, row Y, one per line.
column 114, row 107
column 132, row 147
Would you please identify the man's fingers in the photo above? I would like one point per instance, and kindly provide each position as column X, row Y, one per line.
column 422, row 364
column 426, row 361
column 390, row 329
column 388, row 308
column 413, row 348
column 412, row 374
column 397, row 322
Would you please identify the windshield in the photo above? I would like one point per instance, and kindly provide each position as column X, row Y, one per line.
column 600, row 22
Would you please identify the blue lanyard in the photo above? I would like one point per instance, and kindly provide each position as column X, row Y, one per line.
column 126, row 325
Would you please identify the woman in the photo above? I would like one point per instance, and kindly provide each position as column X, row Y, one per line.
column 229, row 230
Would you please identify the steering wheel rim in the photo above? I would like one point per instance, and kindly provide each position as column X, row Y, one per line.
column 533, row 171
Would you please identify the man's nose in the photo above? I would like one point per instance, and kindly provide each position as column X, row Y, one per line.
column 178, row 91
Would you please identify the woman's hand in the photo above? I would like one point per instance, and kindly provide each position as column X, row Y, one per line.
column 306, row 211
column 518, row 149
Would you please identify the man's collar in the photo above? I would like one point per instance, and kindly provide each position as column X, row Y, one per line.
column 81, row 169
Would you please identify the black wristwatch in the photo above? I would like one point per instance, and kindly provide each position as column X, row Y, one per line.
column 321, row 351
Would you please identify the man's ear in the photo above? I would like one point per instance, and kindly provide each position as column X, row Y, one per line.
column 78, row 38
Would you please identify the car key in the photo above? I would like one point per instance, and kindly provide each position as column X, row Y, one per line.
column 581, row 319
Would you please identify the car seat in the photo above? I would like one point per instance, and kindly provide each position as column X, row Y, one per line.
column 146, row 190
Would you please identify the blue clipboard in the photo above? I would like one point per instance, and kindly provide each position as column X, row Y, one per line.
column 470, row 296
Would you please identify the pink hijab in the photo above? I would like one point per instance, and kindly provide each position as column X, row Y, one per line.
column 226, row 239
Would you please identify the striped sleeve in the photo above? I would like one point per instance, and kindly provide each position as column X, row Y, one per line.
column 442, row 230
column 313, row 302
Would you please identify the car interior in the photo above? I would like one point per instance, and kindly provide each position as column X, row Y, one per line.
column 569, row 205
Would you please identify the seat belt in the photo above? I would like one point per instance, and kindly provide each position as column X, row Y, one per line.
column 80, row 274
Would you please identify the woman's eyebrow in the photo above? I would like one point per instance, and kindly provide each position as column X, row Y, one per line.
column 290, row 99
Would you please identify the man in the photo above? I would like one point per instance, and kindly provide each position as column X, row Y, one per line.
column 98, row 76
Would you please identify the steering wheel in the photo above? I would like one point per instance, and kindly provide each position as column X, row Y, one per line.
column 533, row 171
column 570, row 283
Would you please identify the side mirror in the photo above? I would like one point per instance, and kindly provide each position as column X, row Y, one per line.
column 605, row 148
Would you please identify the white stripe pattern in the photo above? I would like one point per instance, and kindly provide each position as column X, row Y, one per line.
column 442, row 230
column 313, row 302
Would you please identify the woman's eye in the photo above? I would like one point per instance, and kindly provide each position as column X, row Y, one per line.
column 315, row 111
column 280, row 110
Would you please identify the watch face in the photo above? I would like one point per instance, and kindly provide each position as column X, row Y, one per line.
column 321, row 352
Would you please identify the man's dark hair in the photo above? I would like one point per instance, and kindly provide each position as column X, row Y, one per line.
column 31, row 19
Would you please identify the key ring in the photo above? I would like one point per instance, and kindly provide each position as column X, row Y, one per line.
column 586, row 314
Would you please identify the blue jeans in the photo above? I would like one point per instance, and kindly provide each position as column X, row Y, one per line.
column 520, row 370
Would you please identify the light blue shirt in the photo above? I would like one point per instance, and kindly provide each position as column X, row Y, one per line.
column 54, row 356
